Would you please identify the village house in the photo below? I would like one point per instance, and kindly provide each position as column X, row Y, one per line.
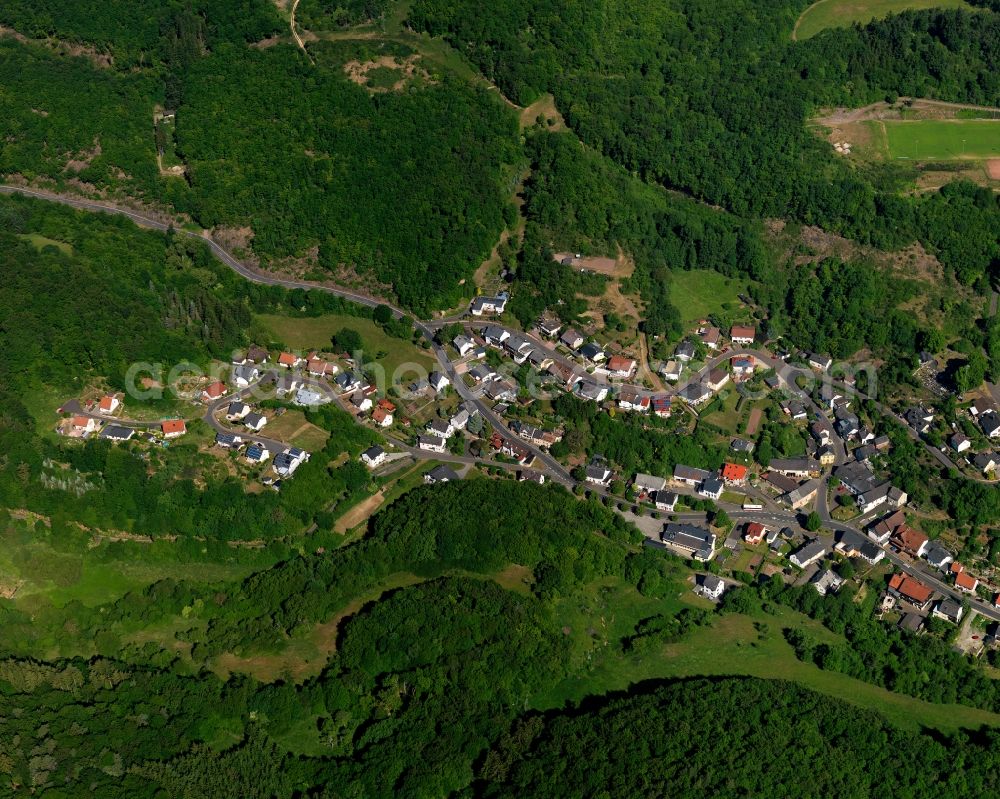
column 960, row 442
column 689, row 476
column 374, row 456
column 257, row 355
column 592, row 352
column 549, row 326
column 855, row 545
column 317, row 367
column 808, row 554
column 695, row 394
column 243, row 376
column 517, row 451
column 598, row 475
column 440, row 428
column 826, row 581
column 801, row 496
column 540, row 359
column 620, row 366
column 310, row 398
column 989, row 423
column 441, row 474
column 256, row 453
column 108, row 404
column 717, row 378
column 631, row 400
column 712, row 488
column 910, row 589
column 689, row 540
column 734, row 473
column 531, row 476
column 665, row 500
column 213, row 391
column 912, row 542
column 228, row 440
column 743, row 367
column 949, row 610
column 671, row 371
column 431, row 444
column 173, row 428
column 518, row 348
column 463, row 344
column 459, row 419
column 595, row 392
column 742, row 334
column 685, row 351
column 237, row 410
column 382, row 417
column 937, row 556
column 981, row 406
column 795, row 467
column 255, row 421
column 754, row 532
column 347, row 382
column 289, row 360
column 438, row 381
column 827, row 456
column 882, row 530
column 709, row 586
column 116, row 432
column 645, row 484
column 661, row 405
column 819, row 362
column 963, row 580
column 985, row 462
column 288, row 461
column 495, row 336
column 741, row 445
column 489, row 305
column 572, row 339
column 710, row 336
column 795, row 409
column 361, row 401
column 501, row 391
column 287, row 384
column 83, row 426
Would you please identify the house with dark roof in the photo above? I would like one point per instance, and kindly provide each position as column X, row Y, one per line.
column 948, row 609
column 598, row 475
column 374, row 456
column 441, row 474
column 855, row 545
column 808, row 554
column 689, row 540
column 688, row 475
column 116, row 432
column 709, row 586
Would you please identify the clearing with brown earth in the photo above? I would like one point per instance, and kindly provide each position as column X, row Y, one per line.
column 407, row 68
column 544, row 107
column 993, row 168
column 359, row 513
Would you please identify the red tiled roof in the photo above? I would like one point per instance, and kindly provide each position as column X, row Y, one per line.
column 742, row 331
column 619, row 363
column 734, row 471
column 287, row 358
column 966, row 581
column 379, row 415
column 106, row 403
column 173, row 426
column 80, row 421
column 216, row 389
column 910, row 587
column 908, row 539
column 385, row 405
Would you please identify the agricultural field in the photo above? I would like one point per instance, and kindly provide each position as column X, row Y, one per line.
column 844, row 13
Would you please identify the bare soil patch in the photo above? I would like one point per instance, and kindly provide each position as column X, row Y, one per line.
column 993, row 168
column 407, row 69
column 545, row 108
column 97, row 58
column 359, row 513
column 84, row 159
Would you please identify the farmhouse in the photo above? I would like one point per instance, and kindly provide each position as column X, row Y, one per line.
column 688, row 475
column 648, row 484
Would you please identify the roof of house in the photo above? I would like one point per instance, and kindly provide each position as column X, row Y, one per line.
column 742, row 331
column 949, row 607
column 712, row 485
column 106, row 403
column 173, row 426
column 619, row 363
column 734, row 471
column 287, row 359
column 215, row 389
column 682, row 472
column 754, row 529
column 443, row 474
column 909, row 539
column 965, row 580
column 910, row 587
column 118, row 432
column 373, row 452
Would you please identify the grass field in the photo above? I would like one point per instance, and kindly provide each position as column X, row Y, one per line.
column 940, row 139
column 292, row 428
column 315, row 332
column 844, row 13
column 734, row 645
column 39, row 241
column 698, row 293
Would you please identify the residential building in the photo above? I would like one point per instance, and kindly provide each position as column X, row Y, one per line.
column 906, row 539
column 743, row 367
column 820, row 362
column 287, row 384
column 742, row 334
column 754, row 533
column 855, row 545
column 539, row 358
column 690, row 476
column 712, row 488
column 243, row 376
column 213, row 391
column 309, row 398
column 489, row 305
column 438, row 381
column 985, row 462
column 882, row 530
column 361, row 401
column 257, row 453
column 695, row 394
column 598, row 475
column 620, row 366
column 960, row 442
column 648, row 484
column 494, row 335
column 593, row 352
column 665, row 500
column 463, row 344
column 741, row 445
column 374, row 456
column 801, row 496
column 109, row 404
column 661, row 406
column 595, row 392
column 910, row 589
column 288, row 461
column 237, row 410
column 431, row 443
column 716, row 379
column 734, row 473
column 709, row 586
column 84, row 425
column 671, row 371
column 795, row 467
column 572, row 339
column 347, row 382
column 808, row 554
column 531, row 476
column 441, row 474
column 288, row 360
column 116, row 432
column 710, row 336
column 549, row 326
column 937, row 556
column 689, row 540
column 685, row 351
column 629, row 399
column 228, row 440
column 826, row 581
column 989, row 423
column 440, row 428
column 948, row 609
column 172, row 428
column 981, row 406
column 255, row 421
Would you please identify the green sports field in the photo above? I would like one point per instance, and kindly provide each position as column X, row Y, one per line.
column 844, row 13
column 941, row 139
